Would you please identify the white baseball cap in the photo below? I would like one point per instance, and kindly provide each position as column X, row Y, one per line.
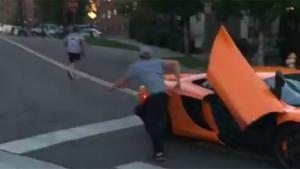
column 146, row 49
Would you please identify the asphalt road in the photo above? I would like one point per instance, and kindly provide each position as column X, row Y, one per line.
column 37, row 98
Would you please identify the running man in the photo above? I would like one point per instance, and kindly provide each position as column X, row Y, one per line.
column 75, row 47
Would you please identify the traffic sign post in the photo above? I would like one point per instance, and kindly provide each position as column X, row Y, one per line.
column 73, row 7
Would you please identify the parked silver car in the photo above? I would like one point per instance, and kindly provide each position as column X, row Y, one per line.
column 90, row 32
column 49, row 30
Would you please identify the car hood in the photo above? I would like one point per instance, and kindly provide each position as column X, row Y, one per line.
column 246, row 96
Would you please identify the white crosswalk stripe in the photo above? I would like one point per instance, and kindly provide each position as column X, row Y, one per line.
column 49, row 139
column 138, row 165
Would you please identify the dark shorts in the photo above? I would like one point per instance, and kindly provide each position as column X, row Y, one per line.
column 74, row 57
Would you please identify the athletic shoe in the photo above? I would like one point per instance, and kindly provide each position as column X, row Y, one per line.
column 160, row 157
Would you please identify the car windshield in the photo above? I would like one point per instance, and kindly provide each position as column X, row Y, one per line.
column 203, row 83
column 290, row 90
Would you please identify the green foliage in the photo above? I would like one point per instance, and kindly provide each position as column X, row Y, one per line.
column 226, row 8
column 185, row 8
column 126, row 6
column 110, row 43
column 264, row 11
column 192, row 62
column 155, row 29
column 53, row 10
column 157, row 22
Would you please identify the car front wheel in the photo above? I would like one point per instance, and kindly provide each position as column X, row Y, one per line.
column 287, row 145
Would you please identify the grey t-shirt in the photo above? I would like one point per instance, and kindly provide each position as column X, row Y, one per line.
column 149, row 73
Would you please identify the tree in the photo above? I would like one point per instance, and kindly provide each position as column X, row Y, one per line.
column 167, row 8
column 183, row 9
column 224, row 9
column 126, row 7
column 263, row 13
column 289, row 29
column 51, row 11
column 54, row 11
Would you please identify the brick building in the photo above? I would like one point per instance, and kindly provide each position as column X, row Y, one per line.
column 28, row 8
column 109, row 20
column 12, row 11
column 8, row 11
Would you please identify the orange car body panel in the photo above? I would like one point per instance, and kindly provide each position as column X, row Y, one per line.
column 183, row 125
column 246, row 96
column 289, row 117
column 193, row 91
column 292, row 114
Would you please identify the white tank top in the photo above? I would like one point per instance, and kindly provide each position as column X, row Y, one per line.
column 73, row 43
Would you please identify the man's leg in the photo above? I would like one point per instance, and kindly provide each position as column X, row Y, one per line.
column 72, row 65
column 73, row 59
column 156, row 136
column 155, row 124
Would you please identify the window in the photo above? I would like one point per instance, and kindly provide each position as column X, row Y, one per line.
column 193, row 108
column 203, row 83
column 290, row 90
column 108, row 14
column 103, row 16
column 115, row 12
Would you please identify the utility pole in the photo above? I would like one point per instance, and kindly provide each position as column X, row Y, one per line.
column 73, row 7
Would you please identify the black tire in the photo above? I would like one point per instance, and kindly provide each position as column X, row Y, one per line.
column 287, row 139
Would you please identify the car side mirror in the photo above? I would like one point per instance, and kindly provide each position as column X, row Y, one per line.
column 279, row 83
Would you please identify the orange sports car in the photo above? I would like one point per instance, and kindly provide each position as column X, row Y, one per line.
column 236, row 105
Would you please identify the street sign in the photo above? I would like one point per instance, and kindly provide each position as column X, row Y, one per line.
column 73, row 6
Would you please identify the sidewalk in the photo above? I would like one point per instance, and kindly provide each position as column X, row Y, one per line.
column 163, row 52
column 108, row 57
column 158, row 51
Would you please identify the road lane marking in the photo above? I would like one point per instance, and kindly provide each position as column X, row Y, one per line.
column 67, row 68
column 61, row 136
column 138, row 165
column 14, row 161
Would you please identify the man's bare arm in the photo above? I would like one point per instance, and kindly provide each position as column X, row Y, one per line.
column 121, row 83
column 173, row 66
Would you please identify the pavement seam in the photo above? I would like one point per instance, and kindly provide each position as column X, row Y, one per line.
column 67, row 68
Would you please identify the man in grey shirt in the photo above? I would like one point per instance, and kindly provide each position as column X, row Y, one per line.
column 150, row 72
